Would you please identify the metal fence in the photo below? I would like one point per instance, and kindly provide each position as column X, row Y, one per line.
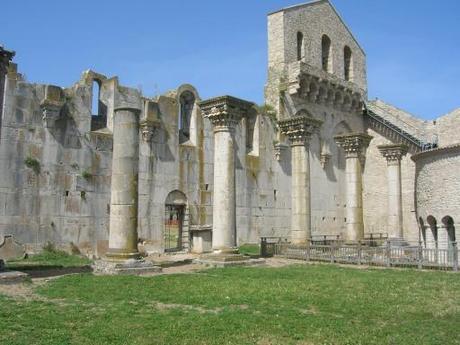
column 387, row 254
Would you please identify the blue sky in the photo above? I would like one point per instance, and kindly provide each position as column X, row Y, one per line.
column 412, row 46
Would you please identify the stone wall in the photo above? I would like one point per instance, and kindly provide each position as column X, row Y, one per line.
column 56, row 170
column 445, row 128
column 437, row 186
column 375, row 190
column 56, row 154
column 313, row 20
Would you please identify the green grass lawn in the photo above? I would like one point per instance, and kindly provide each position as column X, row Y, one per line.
column 305, row 304
column 249, row 249
column 48, row 259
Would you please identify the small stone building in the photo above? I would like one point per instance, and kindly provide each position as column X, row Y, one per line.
column 100, row 167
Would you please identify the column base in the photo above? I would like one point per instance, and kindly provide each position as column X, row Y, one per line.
column 227, row 260
column 225, row 250
column 118, row 266
column 121, row 255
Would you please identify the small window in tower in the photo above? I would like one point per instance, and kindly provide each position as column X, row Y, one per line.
column 347, row 63
column 96, row 94
column 326, row 54
column 187, row 102
column 300, row 46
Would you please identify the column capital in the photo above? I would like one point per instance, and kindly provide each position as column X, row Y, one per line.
column 299, row 129
column 225, row 112
column 393, row 152
column 353, row 144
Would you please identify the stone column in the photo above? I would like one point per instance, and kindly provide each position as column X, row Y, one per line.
column 354, row 146
column 299, row 130
column 224, row 113
column 124, row 194
column 394, row 153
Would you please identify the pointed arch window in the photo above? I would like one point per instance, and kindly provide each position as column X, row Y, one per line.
column 187, row 102
column 300, row 46
column 96, row 94
column 326, row 56
column 347, row 63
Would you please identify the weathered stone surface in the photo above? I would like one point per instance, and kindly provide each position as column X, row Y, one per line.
column 228, row 260
column 11, row 249
column 12, row 277
column 126, row 267
column 235, row 169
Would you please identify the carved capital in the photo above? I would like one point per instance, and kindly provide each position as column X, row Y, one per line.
column 225, row 112
column 393, row 152
column 353, row 144
column 148, row 129
column 299, row 129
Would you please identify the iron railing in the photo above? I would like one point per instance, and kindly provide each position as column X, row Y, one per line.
column 366, row 253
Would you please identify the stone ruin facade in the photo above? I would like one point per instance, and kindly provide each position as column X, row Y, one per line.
column 107, row 171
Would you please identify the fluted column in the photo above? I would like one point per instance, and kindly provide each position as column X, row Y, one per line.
column 224, row 113
column 124, row 187
column 354, row 146
column 393, row 154
column 299, row 130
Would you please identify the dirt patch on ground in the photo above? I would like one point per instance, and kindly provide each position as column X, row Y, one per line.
column 189, row 268
column 22, row 290
column 202, row 310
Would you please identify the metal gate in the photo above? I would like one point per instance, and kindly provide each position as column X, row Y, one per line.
column 174, row 215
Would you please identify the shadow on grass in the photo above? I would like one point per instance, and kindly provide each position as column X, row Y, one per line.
column 45, row 271
column 50, row 263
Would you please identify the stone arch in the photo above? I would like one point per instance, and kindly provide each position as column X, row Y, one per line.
column 326, row 54
column 95, row 97
column 422, row 230
column 432, row 223
column 187, row 120
column 342, row 128
column 303, row 112
column 314, row 90
column 97, row 106
column 176, row 197
column 176, row 222
column 449, row 225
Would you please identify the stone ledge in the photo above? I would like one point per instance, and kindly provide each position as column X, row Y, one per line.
column 13, row 277
column 220, row 261
column 127, row 267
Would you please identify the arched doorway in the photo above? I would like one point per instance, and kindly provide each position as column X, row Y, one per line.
column 175, row 225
